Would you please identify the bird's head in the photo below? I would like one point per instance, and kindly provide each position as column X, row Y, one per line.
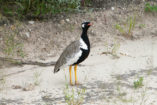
column 86, row 25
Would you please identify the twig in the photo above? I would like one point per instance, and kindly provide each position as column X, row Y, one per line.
column 11, row 74
column 22, row 62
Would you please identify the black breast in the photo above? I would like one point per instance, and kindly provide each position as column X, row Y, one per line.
column 84, row 55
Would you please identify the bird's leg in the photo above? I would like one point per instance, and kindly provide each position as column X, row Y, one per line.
column 75, row 69
column 70, row 75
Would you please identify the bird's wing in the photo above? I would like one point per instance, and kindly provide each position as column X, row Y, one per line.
column 68, row 55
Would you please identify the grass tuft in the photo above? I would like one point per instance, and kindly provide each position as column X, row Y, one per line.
column 36, row 78
column 138, row 83
column 2, row 81
column 74, row 97
column 12, row 44
column 127, row 29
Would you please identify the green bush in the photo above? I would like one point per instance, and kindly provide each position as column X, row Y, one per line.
column 150, row 8
column 38, row 8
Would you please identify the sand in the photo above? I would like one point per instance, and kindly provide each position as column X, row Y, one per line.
column 107, row 80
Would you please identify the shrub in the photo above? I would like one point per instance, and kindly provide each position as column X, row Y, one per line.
column 150, row 8
column 38, row 8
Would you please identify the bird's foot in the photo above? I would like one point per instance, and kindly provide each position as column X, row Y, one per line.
column 71, row 84
column 76, row 83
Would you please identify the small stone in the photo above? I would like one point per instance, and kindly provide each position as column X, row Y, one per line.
column 67, row 20
column 30, row 30
column 62, row 22
column 27, row 34
column 75, row 22
column 31, row 22
column 112, row 8
column 16, row 87
column 30, row 87
column 92, row 31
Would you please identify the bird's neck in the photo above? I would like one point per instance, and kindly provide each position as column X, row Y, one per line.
column 84, row 37
column 84, row 31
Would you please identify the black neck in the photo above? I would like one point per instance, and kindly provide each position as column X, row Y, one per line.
column 85, row 37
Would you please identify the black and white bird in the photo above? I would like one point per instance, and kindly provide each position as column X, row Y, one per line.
column 75, row 53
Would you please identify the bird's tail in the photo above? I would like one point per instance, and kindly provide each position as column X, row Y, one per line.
column 56, row 70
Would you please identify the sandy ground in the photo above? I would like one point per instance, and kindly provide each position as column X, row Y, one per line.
column 106, row 80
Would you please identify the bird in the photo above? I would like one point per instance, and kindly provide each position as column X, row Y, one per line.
column 75, row 53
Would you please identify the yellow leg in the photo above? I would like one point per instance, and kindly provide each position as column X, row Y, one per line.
column 75, row 69
column 70, row 75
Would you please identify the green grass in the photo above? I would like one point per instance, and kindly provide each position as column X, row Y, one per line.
column 2, row 84
column 36, row 77
column 149, row 72
column 127, row 28
column 138, row 83
column 120, row 28
column 12, row 42
column 121, row 93
column 142, row 26
column 131, row 23
column 150, row 8
column 74, row 97
column 115, row 49
column 2, row 81
column 13, row 47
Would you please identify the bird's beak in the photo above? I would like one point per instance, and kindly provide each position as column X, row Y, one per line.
column 89, row 24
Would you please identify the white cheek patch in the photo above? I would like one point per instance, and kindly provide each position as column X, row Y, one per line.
column 83, row 45
column 82, row 25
